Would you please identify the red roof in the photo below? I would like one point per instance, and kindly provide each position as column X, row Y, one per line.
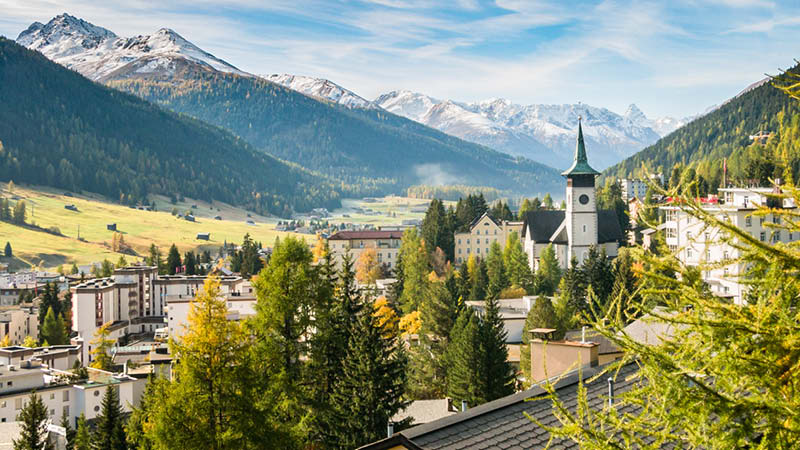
column 349, row 235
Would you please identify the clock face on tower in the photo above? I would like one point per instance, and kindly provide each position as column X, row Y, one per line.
column 584, row 199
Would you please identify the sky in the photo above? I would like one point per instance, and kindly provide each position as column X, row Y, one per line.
column 671, row 58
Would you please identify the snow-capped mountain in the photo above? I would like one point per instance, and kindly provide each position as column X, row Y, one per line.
column 99, row 54
column 544, row 133
column 320, row 88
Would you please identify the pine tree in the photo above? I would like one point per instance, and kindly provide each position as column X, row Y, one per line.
column 541, row 315
column 173, row 260
column 496, row 271
column 371, row 388
column 498, row 375
column 83, row 437
column 8, row 253
column 69, row 432
column 437, row 231
column 190, row 262
column 464, row 359
column 33, row 418
column 110, row 434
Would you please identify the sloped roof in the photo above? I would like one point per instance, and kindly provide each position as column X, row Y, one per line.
column 478, row 219
column 581, row 164
column 608, row 229
column 542, row 224
column 502, row 424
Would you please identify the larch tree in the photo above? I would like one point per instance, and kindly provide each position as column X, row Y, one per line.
column 727, row 375
column 368, row 269
column 548, row 274
column 101, row 349
column 415, row 270
column 33, row 419
column 515, row 260
column 496, row 271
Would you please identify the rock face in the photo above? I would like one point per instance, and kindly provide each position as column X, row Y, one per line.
column 100, row 55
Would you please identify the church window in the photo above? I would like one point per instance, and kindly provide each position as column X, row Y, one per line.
column 584, row 199
column 584, row 228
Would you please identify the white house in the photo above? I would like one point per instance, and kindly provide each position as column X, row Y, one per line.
column 573, row 231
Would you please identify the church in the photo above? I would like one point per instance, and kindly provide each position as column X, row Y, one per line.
column 573, row 231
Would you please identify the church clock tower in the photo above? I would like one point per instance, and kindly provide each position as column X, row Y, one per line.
column 581, row 213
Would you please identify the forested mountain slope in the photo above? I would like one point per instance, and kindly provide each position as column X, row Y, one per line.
column 59, row 129
column 356, row 145
column 723, row 133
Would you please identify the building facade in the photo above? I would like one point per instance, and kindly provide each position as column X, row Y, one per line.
column 18, row 322
column 385, row 242
column 697, row 244
column 574, row 231
column 483, row 231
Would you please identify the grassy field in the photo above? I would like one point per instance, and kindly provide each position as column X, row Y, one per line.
column 45, row 208
column 390, row 210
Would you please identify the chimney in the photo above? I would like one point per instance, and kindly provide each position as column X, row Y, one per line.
column 463, row 405
column 610, row 392
column 559, row 356
column 390, row 429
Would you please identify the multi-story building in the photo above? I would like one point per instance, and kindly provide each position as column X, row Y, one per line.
column 239, row 297
column 385, row 242
column 62, row 395
column 697, row 244
column 483, row 231
column 574, row 231
column 17, row 322
column 636, row 187
column 61, row 357
column 133, row 300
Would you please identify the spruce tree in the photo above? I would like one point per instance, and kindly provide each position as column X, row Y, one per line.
column 496, row 271
column 464, row 359
column 548, row 274
column 436, row 229
column 599, row 275
column 464, row 283
column 371, row 388
column 480, row 282
column 190, row 262
column 498, row 374
column 173, row 261
column 83, row 437
column 110, row 434
column 69, row 432
column 515, row 260
column 8, row 253
column 53, row 330
column 33, row 418
column 573, row 287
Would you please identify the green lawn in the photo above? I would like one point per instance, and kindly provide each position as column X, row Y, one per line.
column 140, row 228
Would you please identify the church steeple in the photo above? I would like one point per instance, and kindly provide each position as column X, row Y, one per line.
column 581, row 164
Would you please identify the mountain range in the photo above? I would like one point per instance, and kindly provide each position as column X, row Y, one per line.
column 371, row 148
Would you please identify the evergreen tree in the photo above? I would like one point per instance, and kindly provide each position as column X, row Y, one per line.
column 83, row 437
column 464, row 283
column 480, row 282
column 173, row 261
column 49, row 300
column 110, row 434
column 515, row 260
column 19, row 213
column 427, row 369
column 74, row 270
column 547, row 201
column 625, row 299
column 106, row 268
column 8, row 253
column 53, row 330
column 190, row 262
column 541, row 315
column 496, row 271
column 33, row 432
column 371, row 388
column 498, row 374
column 138, row 428
column 154, row 259
column 69, row 432
column 548, row 275
column 465, row 361
column 573, row 288
column 415, row 270
column 599, row 275
column 437, row 230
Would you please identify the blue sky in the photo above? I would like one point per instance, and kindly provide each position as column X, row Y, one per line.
column 670, row 58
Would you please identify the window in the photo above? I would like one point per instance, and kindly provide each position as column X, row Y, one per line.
column 689, row 252
column 673, row 248
column 459, row 240
column 52, row 396
column 478, row 250
column 52, row 412
column 776, row 236
column 96, row 393
column 708, row 255
column 467, row 241
column 763, row 236
column 96, row 408
column 65, row 411
column 748, row 221
column 468, row 251
column 688, row 235
column 459, row 251
column 10, row 383
column 746, row 200
column 725, row 255
column 487, row 240
column 761, row 221
column 584, row 228
column 495, row 232
column 3, row 404
column 707, row 236
column 671, row 233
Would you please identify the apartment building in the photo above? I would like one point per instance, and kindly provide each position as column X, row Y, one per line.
column 17, row 322
column 134, row 300
column 385, row 242
column 695, row 243
column 61, row 357
column 62, row 395
column 239, row 296
column 483, row 231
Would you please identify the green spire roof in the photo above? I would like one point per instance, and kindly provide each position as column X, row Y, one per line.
column 581, row 165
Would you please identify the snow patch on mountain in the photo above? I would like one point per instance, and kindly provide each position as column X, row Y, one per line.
column 320, row 88
column 96, row 52
column 544, row 133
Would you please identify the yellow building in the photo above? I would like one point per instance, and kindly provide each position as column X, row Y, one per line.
column 482, row 232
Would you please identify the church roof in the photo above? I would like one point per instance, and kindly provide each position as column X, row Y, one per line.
column 542, row 224
column 581, row 164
